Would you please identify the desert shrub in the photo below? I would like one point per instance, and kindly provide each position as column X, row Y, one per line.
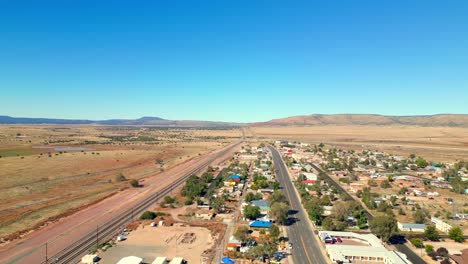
column 429, row 249
column 188, row 201
column 417, row 242
column 432, row 255
column 148, row 215
column 456, row 234
column 134, row 183
column 445, row 261
column 120, row 177
column 169, row 200
column 443, row 252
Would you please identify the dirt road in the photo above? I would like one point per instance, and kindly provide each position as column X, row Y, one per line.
column 58, row 235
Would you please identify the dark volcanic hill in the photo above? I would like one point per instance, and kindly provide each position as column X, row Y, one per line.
column 451, row 120
column 144, row 121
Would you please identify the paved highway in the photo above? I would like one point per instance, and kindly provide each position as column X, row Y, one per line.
column 413, row 257
column 306, row 247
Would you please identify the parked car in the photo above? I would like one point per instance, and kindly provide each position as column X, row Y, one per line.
column 278, row 255
column 338, row 239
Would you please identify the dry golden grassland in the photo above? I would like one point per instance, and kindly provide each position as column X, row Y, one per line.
column 39, row 183
column 445, row 144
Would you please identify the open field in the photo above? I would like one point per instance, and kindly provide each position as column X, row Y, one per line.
column 48, row 171
column 166, row 241
column 434, row 143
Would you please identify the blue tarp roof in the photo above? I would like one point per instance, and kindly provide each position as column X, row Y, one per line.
column 260, row 224
column 234, row 176
column 226, row 260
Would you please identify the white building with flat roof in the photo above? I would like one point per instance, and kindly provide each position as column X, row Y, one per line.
column 371, row 250
column 441, row 225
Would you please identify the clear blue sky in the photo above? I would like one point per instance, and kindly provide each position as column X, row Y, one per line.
column 232, row 60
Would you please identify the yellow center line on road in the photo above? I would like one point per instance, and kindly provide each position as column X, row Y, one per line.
column 302, row 240
column 305, row 250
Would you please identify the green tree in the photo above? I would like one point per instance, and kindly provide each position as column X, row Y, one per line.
column 241, row 233
column 431, row 233
column 279, row 212
column 274, row 232
column 169, row 200
column 403, row 190
column 134, row 183
column 385, row 184
column 207, row 177
column 384, row 227
column 456, row 234
column 383, row 206
column 251, row 211
column 328, row 224
column 188, row 201
column 277, row 197
column 419, row 216
column 325, row 201
column 148, row 215
column 401, row 211
column 361, row 218
column 194, row 186
column 417, row 242
column 314, row 210
column 217, row 204
column 252, row 197
column 420, row 162
column 429, row 248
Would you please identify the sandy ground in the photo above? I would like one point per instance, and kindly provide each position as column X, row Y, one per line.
column 150, row 242
column 37, row 184
column 452, row 247
column 435, row 143
column 59, row 234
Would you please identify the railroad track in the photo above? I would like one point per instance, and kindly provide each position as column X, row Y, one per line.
column 91, row 240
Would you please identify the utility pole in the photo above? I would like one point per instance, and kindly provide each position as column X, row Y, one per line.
column 46, row 258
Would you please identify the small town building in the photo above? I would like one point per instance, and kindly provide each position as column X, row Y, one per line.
column 441, row 225
column 366, row 248
column 233, row 244
column 460, row 258
column 411, row 227
column 260, row 224
column 130, row 260
column 308, row 182
column 263, row 205
column 160, row 260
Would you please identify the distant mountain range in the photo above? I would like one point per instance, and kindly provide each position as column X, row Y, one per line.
column 451, row 120
column 144, row 121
